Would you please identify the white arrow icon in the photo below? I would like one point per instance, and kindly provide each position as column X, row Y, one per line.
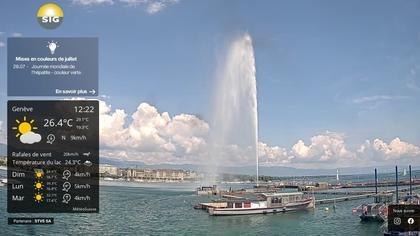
column 410, row 221
column 92, row 91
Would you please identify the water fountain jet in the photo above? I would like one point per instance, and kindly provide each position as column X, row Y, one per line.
column 235, row 120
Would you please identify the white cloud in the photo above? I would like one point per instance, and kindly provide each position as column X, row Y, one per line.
column 154, row 7
column 272, row 155
column 329, row 150
column 412, row 84
column 2, row 133
column 93, row 2
column 412, row 78
column 376, row 98
column 151, row 134
column 104, row 96
column 16, row 34
column 3, row 36
column 328, row 147
column 134, row 2
column 394, row 150
column 324, row 147
column 151, row 6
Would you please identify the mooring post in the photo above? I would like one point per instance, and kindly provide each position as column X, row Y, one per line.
column 376, row 181
column 396, row 183
column 409, row 169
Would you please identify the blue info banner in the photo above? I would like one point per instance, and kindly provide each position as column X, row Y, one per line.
column 52, row 66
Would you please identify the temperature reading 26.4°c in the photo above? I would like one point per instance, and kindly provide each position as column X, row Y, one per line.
column 58, row 122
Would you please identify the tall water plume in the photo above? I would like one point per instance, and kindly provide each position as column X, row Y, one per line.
column 234, row 127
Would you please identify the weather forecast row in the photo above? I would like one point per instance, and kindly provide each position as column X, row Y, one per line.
column 53, row 149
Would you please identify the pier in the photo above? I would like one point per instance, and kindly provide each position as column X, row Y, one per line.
column 353, row 195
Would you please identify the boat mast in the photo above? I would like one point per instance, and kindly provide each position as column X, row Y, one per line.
column 336, row 187
column 396, row 183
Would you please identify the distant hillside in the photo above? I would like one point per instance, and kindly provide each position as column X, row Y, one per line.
column 279, row 171
column 245, row 170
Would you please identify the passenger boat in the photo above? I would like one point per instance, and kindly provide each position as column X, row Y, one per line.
column 263, row 204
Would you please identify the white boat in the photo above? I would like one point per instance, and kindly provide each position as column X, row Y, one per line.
column 263, row 204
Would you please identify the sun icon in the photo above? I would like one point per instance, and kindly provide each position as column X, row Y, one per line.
column 39, row 173
column 24, row 126
column 38, row 197
column 38, row 185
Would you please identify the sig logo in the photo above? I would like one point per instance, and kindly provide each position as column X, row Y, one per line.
column 50, row 16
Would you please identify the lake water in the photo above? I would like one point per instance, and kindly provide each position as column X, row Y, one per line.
column 142, row 209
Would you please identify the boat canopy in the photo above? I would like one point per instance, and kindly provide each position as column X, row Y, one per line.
column 282, row 194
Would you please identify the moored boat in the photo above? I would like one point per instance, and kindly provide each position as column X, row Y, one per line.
column 264, row 203
column 377, row 211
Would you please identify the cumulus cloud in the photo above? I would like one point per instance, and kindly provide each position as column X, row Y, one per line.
column 330, row 149
column 329, row 146
column 151, row 134
column 394, row 150
column 272, row 155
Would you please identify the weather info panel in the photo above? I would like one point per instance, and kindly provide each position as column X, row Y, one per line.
column 53, row 156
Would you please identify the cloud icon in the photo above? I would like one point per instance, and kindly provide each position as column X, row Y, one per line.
column 30, row 138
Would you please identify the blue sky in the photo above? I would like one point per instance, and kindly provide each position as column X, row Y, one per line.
column 350, row 67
